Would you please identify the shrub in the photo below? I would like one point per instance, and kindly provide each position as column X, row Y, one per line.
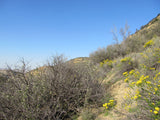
column 106, row 65
column 55, row 92
column 151, row 58
column 134, row 43
column 127, row 64
column 99, row 55
column 146, row 94
column 146, row 85
column 110, row 52
column 88, row 114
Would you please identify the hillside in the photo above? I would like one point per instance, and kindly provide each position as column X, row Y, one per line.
column 79, row 60
column 150, row 29
column 124, row 70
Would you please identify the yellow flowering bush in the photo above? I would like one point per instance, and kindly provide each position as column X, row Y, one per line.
column 106, row 65
column 107, row 62
column 126, row 59
column 150, row 60
column 109, row 105
column 147, row 88
column 143, row 81
column 125, row 74
column 149, row 43
column 126, row 64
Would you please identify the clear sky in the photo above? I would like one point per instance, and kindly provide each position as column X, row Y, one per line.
column 37, row 29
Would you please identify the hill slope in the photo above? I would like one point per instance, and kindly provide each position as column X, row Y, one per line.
column 142, row 59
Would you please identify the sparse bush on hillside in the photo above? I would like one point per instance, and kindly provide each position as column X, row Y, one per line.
column 99, row 55
column 112, row 51
column 130, row 44
column 55, row 92
column 151, row 55
column 134, row 44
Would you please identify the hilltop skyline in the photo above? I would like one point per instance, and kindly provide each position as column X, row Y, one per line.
column 35, row 30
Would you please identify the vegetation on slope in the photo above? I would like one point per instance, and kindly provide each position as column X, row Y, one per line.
column 84, row 86
column 136, row 61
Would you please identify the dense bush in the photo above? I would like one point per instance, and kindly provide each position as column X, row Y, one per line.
column 55, row 92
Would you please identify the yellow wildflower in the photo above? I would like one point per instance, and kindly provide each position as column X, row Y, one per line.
column 126, row 59
column 148, row 82
column 126, row 80
column 152, row 68
column 133, row 83
column 139, row 95
column 111, row 100
column 146, row 77
column 135, row 97
column 131, row 72
column 138, row 82
column 149, row 43
column 104, row 105
column 157, row 108
column 155, row 112
column 125, row 74
column 155, row 89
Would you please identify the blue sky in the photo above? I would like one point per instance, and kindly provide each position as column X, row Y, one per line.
column 38, row 29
